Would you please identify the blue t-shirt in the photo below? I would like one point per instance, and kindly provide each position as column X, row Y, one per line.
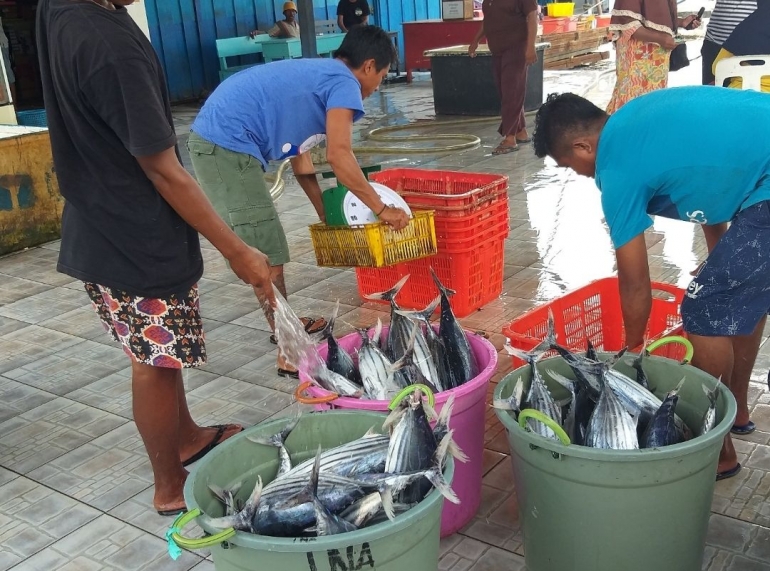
column 278, row 110
column 700, row 154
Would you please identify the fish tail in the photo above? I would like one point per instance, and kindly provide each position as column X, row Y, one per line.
column 422, row 315
column 446, row 413
column 378, row 332
column 441, row 287
column 711, row 393
column 386, row 497
column 675, row 390
column 506, row 404
column 436, row 478
column 393, row 418
column 448, row 446
column 518, row 353
column 328, row 331
column 550, row 338
column 562, row 380
column 278, row 439
column 389, row 295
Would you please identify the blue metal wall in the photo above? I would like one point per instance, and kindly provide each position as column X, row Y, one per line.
column 183, row 32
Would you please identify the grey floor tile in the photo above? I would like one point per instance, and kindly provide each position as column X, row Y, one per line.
column 495, row 559
column 45, row 305
column 102, row 473
column 36, row 437
column 17, row 398
column 262, row 371
column 8, row 325
column 108, row 544
column 13, row 289
column 729, row 533
column 82, row 322
column 28, row 344
column 232, row 346
column 228, row 302
column 6, row 476
column 36, row 264
column 71, row 368
column 33, row 517
column 230, row 400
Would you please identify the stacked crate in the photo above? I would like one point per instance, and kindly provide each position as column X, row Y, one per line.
column 471, row 221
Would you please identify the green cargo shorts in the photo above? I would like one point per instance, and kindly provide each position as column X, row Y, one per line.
column 235, row 185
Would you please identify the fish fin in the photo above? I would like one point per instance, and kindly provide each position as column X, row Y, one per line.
column 590, row 349
column 400, row 364
column 675, row 390
column 251, row 505
column 441, row 287
column 615, row 359
column 226, row 522
column 378, row 332
column 389, row 295
column 551, row 336
column 371, row 433
column 568, row 384
column 277, row 440
column 436, row 478
column 450, row 447
column 507, row 404
column 430, row 412
column 328, row 331
column 386, row 497
column 711, row 394
column 393, row 418
column 220, row 492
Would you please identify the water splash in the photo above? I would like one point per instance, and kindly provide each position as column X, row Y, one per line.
column 297, row 346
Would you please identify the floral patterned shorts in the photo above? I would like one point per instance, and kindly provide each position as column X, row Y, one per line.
column 162, row 332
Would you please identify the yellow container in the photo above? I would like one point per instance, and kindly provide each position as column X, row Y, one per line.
column 559, row 9
column 374, row 245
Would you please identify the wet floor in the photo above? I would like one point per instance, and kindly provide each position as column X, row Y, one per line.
column 75, row 484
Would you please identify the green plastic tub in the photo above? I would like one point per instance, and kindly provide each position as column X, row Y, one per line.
column 584, row 509
column 409, row 542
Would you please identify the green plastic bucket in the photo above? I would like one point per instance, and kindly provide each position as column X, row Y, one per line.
column 411, row 541
column 584, row 509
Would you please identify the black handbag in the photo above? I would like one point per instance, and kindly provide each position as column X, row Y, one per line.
column 678, row 58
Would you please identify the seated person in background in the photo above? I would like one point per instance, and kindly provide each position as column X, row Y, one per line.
column 286, row 28
column 750, row 37
column 352, row 13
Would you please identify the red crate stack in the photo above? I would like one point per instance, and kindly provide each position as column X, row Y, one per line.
column 471, row 218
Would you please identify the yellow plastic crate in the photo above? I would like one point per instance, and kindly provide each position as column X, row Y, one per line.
column 374, row 245
column 558, row 9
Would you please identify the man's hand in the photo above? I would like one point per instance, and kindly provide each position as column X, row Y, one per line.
column 253, row 267
column 668, row 42
column 394, row 217
column 691, row 22
column 472, row 48
column 635, row 289
column 531, row 56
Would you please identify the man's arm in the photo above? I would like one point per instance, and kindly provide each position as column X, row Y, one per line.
column 531, row 56
column 184, row 195
column 635, row 289
column 365, row 21
column 341, row 22
column 664, row 40
column 304, row 171
column 339, row 153
column 713, row 234
column 476, row 39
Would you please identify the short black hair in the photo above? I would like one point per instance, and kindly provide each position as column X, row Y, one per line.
column 367, row 42
column 562, row 115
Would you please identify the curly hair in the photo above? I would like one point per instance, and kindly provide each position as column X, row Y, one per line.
column 561, row 115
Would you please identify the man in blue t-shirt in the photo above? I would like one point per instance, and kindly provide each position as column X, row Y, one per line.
column 699, row 154
column 282, row 110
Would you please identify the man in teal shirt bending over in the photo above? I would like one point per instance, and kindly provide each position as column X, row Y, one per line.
column 658, row 156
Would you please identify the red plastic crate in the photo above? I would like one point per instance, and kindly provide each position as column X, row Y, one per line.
column 476, row 276
column 493, row 213
column 449, row 193
column 464, row 240
column 559, row 25
column 593, row 312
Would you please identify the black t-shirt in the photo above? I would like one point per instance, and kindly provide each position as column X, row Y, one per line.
column 107, row 102
column 353, row 13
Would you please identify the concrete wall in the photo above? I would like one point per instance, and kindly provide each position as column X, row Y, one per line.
column 138, row 11
column 30, row 203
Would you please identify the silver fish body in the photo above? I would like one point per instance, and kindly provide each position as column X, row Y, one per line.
column 361, row 456
column 661, row 430
column 398, row 333
column 611, row 426
column 378, row 374
column 335, row 382
column 338, row 359
column 710, row 416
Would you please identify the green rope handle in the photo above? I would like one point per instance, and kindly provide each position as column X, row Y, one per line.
column 175, row 539
column 409, row 390
column 689, row 351
column 548, row 421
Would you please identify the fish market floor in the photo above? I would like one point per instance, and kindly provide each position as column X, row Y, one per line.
column 75, row 484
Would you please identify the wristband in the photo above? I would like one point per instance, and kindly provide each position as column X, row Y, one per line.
column 381, row 211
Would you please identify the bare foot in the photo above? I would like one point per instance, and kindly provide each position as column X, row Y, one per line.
column 283, row 365
column 522, row 135
column 169, row 496
column 203, row 437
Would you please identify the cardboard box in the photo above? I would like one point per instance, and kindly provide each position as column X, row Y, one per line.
column 457, row 10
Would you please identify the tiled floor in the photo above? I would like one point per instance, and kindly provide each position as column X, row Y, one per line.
column 75, row 484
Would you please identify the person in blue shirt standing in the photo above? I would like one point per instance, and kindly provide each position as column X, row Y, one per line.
column 244, row 124
column 656, row 156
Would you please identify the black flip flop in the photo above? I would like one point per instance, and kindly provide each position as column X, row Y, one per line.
column 288, row 374
column 309, row 327
column 217, row 440
column 729, row 473
column 173, row 512
column 743, row 430
column 524, row 141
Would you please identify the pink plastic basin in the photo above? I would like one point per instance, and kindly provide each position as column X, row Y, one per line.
column 467, row 421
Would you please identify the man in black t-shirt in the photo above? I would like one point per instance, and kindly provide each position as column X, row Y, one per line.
column 352, row 13
column 131, row 219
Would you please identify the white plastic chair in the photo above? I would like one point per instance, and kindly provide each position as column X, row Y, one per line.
column 751, row 75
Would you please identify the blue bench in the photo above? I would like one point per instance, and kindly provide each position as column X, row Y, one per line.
column 234, row 47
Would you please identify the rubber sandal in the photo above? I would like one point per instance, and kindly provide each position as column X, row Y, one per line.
column 524, row 141
column 221, row 429
column 505, row 149
column 729, row 473
column 311, row 327
column 744, row 429
column 288, row 373
column 172, row 512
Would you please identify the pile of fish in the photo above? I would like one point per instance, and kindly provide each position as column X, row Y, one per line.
column 412, row 353
column 605, row 409
column 363, row 482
